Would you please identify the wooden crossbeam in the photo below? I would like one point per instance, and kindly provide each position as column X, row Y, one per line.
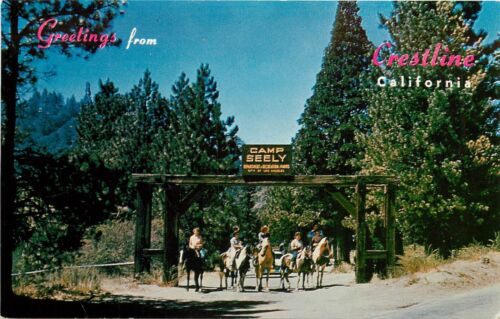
column 235, row 180
column 152, row 252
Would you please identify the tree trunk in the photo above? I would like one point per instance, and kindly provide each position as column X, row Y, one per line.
column 10, row 75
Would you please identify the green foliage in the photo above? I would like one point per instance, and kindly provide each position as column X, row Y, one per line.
column 144, row 132
column 57, row 199
column 216, row 218
column 325, row 143
column 288, row 210
column 441, row 142
column 19, row 51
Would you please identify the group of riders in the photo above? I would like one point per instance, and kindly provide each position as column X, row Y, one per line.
column 236, row 245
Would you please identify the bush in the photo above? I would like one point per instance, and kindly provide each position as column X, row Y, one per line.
column 111, row 242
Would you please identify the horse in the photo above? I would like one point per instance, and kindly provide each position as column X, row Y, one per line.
column 242, row 264
column 192, row 262
column 320, row 260
column 302, row 267
column 228, row 268
column 263, row 261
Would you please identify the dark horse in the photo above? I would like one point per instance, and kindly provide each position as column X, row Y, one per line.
column 192, row 262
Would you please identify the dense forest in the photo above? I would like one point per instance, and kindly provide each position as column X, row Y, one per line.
column 74, row 157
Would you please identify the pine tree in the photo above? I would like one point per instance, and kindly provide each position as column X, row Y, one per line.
column 197, row 140
column 438, row 140
column 325, row 143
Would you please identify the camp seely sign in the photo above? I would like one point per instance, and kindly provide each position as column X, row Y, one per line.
column 267, row 160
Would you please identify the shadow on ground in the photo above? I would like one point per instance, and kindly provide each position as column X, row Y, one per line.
column 128, row 306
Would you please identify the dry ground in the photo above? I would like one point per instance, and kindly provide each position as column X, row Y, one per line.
column 463, row 289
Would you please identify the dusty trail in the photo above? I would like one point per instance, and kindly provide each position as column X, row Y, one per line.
column 460, row 290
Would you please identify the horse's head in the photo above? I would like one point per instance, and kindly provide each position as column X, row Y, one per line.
column 266, row 244
column 248, row 250
column 306, row 252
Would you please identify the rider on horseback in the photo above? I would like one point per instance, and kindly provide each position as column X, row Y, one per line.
column 264, row 233
column 236, row 246
column 196, row 242
column 313, row 231
column 316, row 239
column 296, row 246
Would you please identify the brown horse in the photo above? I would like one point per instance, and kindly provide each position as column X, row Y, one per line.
column 320, row 260
column 263, row 262
column 302, row 267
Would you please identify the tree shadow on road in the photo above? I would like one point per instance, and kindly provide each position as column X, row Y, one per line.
column 129, row 306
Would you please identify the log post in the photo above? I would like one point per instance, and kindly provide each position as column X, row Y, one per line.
column 171, row 232
column 390, row 226
column 360, row 233
column 143, row 217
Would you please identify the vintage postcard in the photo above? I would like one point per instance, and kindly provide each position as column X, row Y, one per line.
column 250, row 159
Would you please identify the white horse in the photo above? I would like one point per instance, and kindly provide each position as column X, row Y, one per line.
column 228, row 268
column 242, row 265
column 320, row 260
column 302, row 267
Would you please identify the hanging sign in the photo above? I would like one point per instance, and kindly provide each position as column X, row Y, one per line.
column 267, row 160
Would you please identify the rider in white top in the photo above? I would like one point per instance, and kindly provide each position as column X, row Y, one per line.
column 196, row 242
column 296, row 246
column 236, row 246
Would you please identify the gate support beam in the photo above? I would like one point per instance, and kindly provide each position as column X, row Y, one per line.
column 142, row 227
column 344, row 202
column 390, row 225
column 360, row 233
column 170, row 232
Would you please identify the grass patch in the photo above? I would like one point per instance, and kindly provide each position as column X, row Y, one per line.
column 416, row 260
column 69, row 284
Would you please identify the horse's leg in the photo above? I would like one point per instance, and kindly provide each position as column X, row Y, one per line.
column 322, row 271
column 282, row 280
column 298, row 280
column 201, row 280
column 188, row 273
column 260, row 279
column 225, row 277
column 321, row 281
column 196, row 277
column 256, row 279
column 242, row 281
column 318, row 269
column 303, row 279
column 267, row 278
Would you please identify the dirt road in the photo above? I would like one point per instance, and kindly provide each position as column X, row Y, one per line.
column 459, row 290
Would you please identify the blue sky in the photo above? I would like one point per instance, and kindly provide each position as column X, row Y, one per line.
column 264, row 55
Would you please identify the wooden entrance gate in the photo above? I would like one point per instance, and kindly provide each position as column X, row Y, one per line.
column 176, row 205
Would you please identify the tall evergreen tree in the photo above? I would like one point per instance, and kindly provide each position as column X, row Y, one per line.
column 197, row 140
column 325, row 143
column 440, row 141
